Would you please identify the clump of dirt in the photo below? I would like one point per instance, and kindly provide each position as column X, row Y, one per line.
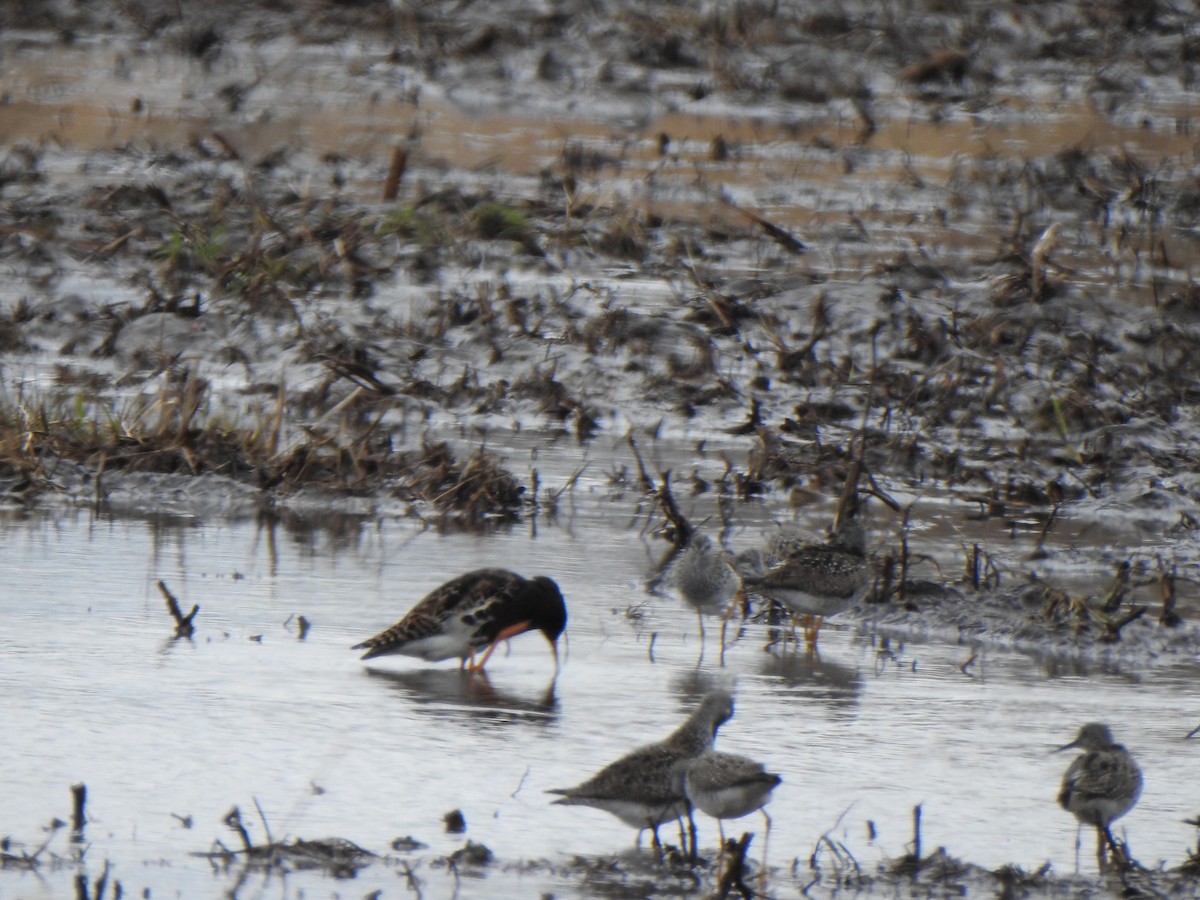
column 254, row 316
column 810, row 251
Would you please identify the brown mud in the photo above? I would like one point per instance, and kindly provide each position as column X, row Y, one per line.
column 271, row 259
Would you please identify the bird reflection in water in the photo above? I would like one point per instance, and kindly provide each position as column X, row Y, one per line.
column 837, row 685
column 471, row 697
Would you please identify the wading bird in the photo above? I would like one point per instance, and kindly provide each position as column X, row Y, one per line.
column 1101, row 785
column 813, row 581
column 645, row 788
column 473, row 612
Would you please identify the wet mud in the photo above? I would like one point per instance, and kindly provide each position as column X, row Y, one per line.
column 453, row 263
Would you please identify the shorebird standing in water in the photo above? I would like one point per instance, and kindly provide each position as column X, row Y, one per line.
column 728, row 786
column 474, row 611
column 705, row 577
column 645, row 788
column 813, row 581
column 1101, row 785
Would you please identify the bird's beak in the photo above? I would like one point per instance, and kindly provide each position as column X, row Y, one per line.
column 1069, row 746
column 1195, row 731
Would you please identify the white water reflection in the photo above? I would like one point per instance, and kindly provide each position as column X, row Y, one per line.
column 159, row 729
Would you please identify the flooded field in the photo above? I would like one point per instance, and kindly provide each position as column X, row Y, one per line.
column 169, row 735
column 306, row 310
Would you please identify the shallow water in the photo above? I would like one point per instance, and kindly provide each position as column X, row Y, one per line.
column 166, row 731
column 244, row 712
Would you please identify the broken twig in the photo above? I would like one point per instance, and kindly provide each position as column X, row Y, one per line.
column 183, row 624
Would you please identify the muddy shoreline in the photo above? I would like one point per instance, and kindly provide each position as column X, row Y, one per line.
column 453, row 265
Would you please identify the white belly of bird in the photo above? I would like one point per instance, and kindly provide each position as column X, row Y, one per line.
column 453, row 641
column 731, row 802
column 809, row 604
column 640, row 815
column 1102, row 810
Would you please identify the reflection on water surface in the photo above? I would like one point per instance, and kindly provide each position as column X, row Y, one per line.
column 160, row 729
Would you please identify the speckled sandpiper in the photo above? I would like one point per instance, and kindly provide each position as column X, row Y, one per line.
column 705, row 577
column 1101, row 784
column 644, row 788
column 728, row 786
column 472, row 612
column 813, row 581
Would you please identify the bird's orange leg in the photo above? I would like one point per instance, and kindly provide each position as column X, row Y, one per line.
column 812, row 626
column 739, row 599
column 510, row 631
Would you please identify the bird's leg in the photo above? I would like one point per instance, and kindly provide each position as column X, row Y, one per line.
column 510, row 631
column 721, row 849
column 1102, row 834
column 777, row 636
column 1120, row 853
column 810, row 639
column 725, row 625
column 692, row 834
column 683, row 837
column 762, row 875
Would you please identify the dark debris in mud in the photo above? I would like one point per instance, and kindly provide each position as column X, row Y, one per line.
column 635, row 873
column 1027, row 356
column 337, row 857
column 1013, row 334
column 1036, row 618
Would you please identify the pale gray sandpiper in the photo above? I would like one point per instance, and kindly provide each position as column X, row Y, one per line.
column 813, row 581
column 644, row 788
column 1101, row 784
column 704, row 575
column 473, row 612
column 728, row 786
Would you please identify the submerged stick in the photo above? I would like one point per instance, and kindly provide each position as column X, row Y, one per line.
column 234, row 820
column 910, row 864
column 781, row 236
column 916, row 839
column 1115, row 595
column 183, row 624
column 262, row 817
column 391, row 187
column 683, row 528
column 1168, row 618
column 643, row 474
column 78, row 819
column 1112, row 627
column 733, row 878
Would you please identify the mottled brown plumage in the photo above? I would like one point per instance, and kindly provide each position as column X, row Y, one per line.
column 1101, row 784
column 644, row 788
column 812, row 580
column 473, row 612
column 728, row 786
column 705, row 577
